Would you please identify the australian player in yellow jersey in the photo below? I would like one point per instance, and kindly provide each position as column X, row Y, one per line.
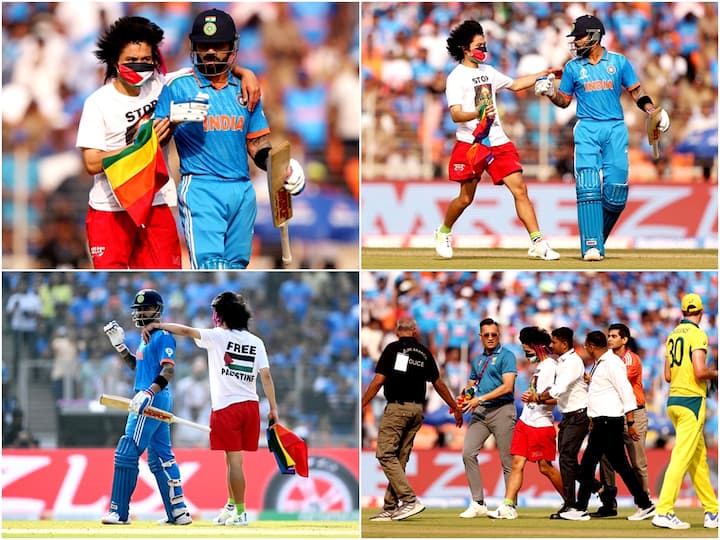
column 687, row 373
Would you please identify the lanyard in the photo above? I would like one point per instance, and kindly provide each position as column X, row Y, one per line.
column 487, row 361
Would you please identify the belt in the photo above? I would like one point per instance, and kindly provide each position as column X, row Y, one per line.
column 404, row 402
column 583, row 410
column 495, row 405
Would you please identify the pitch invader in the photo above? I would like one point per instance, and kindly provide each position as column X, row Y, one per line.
column 481, row 143
column 596, row 78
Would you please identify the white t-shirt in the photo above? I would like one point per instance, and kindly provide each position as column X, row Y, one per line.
column 467, row 87
column 538, row 414
column 107, row 118
column 234, row 359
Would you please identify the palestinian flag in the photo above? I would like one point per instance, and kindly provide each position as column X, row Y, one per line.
column 239, row 362
column 137, row 173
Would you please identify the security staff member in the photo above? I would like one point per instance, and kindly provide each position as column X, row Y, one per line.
column 570, row 390
column 611, row 403
column 404, row 368
column 493, row 373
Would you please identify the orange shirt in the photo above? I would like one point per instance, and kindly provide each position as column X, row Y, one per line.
column 633, row 365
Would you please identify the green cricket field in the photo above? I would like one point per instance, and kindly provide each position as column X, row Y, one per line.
column 517, row 259
column 532, row 523
column 148, row 529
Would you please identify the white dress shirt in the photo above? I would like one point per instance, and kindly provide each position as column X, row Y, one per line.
column 610, row 393
column 570, row 388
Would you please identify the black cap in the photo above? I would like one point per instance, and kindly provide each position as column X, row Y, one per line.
column 213, row 26
column 584, row 24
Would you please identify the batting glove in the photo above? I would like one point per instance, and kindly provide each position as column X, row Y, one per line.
column 544, row 86
column 116, row 335
column 295, row 182
column 664, row 122
column 191, row 111
column 141, row 400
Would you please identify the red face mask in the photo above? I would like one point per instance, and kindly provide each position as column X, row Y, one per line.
column 479, row 54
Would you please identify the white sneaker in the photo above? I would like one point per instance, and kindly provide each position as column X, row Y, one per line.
column 669, row 521
column 385, row 515
column 113, row 518
column 237, row 520
column 711, row 520
column 475, row 510
column 443, row 244
column 575, row 515
column 223, row 516
column 182, row 519
column 503, row 512
column 643, row 513
column 593, row 254
column 407, row 510
column 542, row 250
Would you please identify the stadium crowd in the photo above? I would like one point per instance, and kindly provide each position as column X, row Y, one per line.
column 309, row 322
column 305, row 55
column 408, row 133
column 448, row 307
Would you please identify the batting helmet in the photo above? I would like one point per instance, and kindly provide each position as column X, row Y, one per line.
column 147, row 307
column 213, row 27
column 586, row 25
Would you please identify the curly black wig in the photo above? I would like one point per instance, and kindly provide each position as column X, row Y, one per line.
column 123, row 31
column 461, row 36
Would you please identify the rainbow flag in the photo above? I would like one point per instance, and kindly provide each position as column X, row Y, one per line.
column 137, row 173
column 289, row 450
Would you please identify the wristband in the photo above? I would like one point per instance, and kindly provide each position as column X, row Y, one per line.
column 642, row 101
column 161, row 381
column 630, row 423
column 261, row 157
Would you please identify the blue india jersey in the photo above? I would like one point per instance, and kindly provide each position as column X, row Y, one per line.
column 150, row 357
column 217, row 147
column 597, row 88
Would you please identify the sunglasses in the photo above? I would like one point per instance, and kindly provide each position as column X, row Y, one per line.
column 490, row 334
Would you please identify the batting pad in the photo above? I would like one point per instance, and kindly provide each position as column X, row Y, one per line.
column 125, row 476
column 590, row 212
column 614, row 200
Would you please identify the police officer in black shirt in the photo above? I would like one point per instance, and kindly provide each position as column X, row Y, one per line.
column 403, row 369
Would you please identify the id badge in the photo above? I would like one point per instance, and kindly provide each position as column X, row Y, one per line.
column 401, row 362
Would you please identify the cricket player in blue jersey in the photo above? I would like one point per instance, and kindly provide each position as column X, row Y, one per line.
column 214, row 134
column 596, row 78
column 154, row 366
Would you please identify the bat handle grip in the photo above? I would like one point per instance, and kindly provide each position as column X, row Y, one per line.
column 285, row 245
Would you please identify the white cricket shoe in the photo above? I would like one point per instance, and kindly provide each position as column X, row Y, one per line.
column 237, row 520
column 223, row 516
column 475, row 510
column 593, row 254
column 181, row 519
column 669, row 521
column 643, row 513
column 503, row 512
column 542, row 250
column 443, row 244
column 113, row 518
column 711, row 520
column 575, row 515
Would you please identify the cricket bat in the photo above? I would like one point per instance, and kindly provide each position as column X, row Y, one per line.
column 123, row 404
column 280, row 200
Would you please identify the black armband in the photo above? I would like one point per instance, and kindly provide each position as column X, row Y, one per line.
column 161, row 381
column 261, row 156
column 642, row 101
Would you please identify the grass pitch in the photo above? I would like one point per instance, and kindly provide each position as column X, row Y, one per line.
column 148, row 529
column 532, row 523
column 517, row 259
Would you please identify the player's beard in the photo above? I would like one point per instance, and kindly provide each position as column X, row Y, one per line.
column 211, row 65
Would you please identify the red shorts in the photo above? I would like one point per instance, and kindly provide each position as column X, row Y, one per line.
column 116, row 242
column 505, row 162
column 533, row 443
column 236, row 427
